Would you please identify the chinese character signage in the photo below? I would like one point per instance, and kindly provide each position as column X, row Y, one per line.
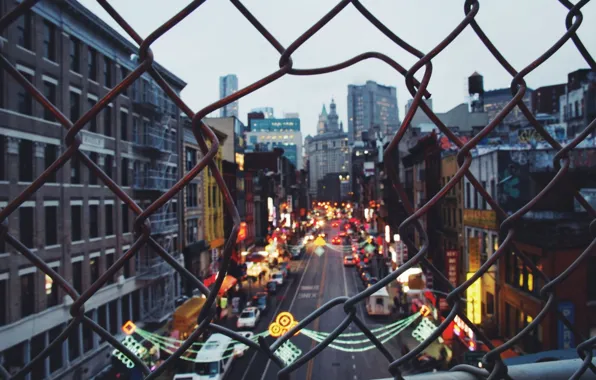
column 486, row 219
column 474, row 300
column 474, row 253
column 565, row 335
column 241, row 232
column 452, row 267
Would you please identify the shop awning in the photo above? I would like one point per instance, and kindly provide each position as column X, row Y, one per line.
column 228, row 282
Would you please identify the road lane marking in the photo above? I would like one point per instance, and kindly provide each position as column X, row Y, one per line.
column 345, row 282
column 354, row 366
column 303, row 295
column 289, row 309
column 353, row 357
column 309, row 287
column 317, row 321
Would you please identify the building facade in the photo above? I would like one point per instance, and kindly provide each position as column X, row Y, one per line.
column 327, row 152
column 267, row 134
column 74, row 222
column 228, row 85
column 268, row 112
column 371, row 105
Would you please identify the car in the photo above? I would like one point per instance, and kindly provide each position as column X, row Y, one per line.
column 240, row 348
column 271, row 287
column 278, row 277
column 365, row 277
column 343, row 234
column 259, row 301
column 371, row 281
column 286, row 267
column 334, row 224
column 336, row 240
column 349, row 261
column 248, row 318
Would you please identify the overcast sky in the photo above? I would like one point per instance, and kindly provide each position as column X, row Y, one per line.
column 216, row 40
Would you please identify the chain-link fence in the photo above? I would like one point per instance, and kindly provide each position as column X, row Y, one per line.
column 492, row 361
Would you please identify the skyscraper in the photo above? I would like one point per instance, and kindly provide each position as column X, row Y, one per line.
column 371, row 105
column 227, row 86
column 266, row 111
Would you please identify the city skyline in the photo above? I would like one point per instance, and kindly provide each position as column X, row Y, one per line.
column 305, row 95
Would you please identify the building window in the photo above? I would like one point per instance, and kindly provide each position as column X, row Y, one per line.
column 125, row 219
column 49, row 41
column 124, row 72
column 490, row 303
column 51, row 289
column 25, row 30
column 75, row 55
column 124, row 179
column 107, row 121
column 75, row 170
column 27, row 294
column 55, row 355
column 26, row 161
column 51, row 227
column 94, row 269
column 192, row 230
column 191, row 195
column 468, row 195
column 93, row 121
column 191, row 158
column 73, row 343
column 76, row 220
column 484, row 204
column 92, row 63
column 75, row 106
column 77, row 276
column 24, row 98
column 93, row 221
column 109, row 263
column 107, row 72
column 49, row 91
column 92, row 176
column 3, row 301
column 109, row 217
column 123, row 126
column 108, row 165
column 26, row 226
column 88, row 336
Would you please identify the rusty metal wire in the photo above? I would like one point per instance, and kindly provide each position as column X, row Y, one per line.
column 492, row 361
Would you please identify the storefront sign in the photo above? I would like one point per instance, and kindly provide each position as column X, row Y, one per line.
column 424, row 330
column 463, row 332
column 288, row 352
column 474, row 254
column 486, row 219
column 474, row 300
column 284, row 322
column 452, row 267
column 565, row 335
column 134, row 346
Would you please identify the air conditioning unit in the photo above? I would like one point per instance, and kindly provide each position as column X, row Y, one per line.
column 120, row 280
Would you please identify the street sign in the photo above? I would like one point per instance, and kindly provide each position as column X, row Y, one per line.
column 319, row 251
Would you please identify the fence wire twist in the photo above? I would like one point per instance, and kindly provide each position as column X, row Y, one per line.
column 495, row 368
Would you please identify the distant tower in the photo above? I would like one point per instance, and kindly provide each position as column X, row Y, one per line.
column 322, row 126
column 476, row 91
column 332, row 118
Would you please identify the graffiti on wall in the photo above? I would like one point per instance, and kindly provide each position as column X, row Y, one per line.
column 542, row 160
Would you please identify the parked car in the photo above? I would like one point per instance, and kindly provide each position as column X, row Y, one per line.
column 349, row 261
column 371, row 281
column 259, row 301
column 285, row 266
column 365, row 277
column 271, row 287
column 336, row 240
column 278, row 277
column 248, row 318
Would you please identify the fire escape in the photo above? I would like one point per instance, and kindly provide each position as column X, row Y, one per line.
column 156, row 173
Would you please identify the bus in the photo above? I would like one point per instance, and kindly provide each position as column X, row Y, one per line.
column 214, row 359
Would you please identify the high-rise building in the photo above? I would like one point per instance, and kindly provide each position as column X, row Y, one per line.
column 291, row 115
column 267, row 134
column 227, row 86
column 76, row 224
column 371, row 105
column 266, row 111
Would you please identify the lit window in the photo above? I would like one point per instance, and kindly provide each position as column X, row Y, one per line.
column 530, row 282
column 49, row 283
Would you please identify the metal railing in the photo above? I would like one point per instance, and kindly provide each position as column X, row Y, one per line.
column 155, row 267
column 157, row 138
column 495, row 367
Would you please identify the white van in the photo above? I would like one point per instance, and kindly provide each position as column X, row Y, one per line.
column 378, row 303
column 214, row 360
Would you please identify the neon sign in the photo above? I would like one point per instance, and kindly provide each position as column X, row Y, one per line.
column 288, row 352
column 283, row 323
column 134, row 346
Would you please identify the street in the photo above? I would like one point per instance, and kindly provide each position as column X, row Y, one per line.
column 317, row 280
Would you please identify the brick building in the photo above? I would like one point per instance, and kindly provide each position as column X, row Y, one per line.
column 74, row 222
